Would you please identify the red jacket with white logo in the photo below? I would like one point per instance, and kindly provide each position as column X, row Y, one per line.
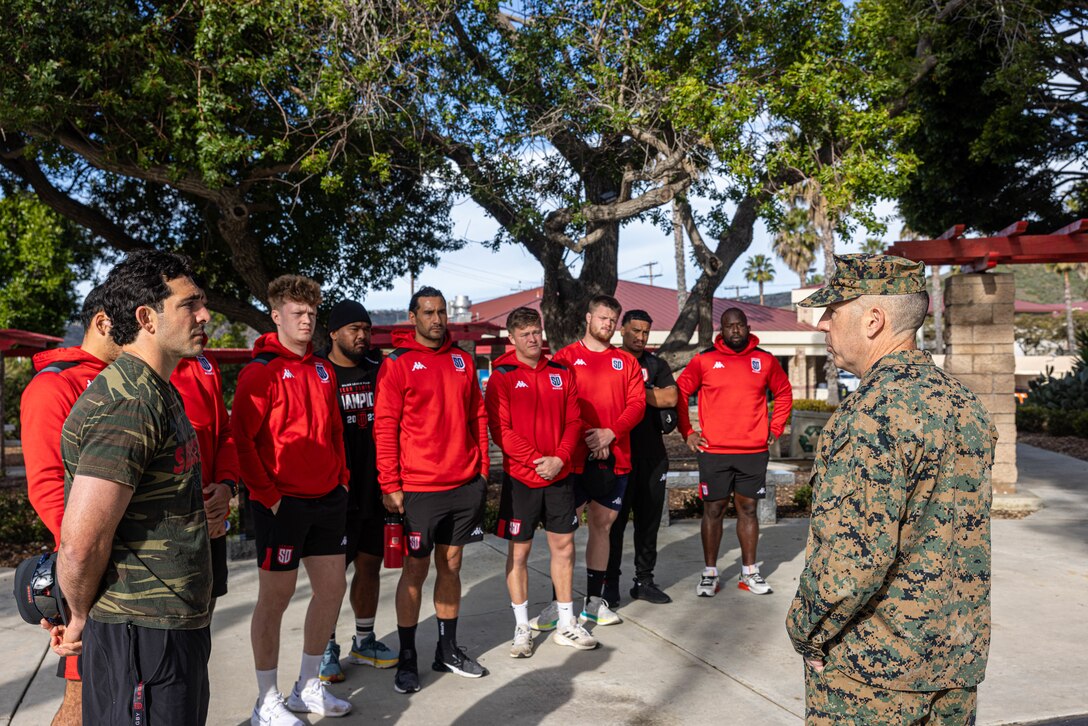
column 287, row 426
column 63, row 374
column 533, row 412
column 430, row 428
column 612, row 396
column 200, row 384
column 732, row 388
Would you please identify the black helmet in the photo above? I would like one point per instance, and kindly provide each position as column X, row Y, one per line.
column 37, row 591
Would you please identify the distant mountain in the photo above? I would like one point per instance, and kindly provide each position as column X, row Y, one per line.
column 770, row 300
column 1037, row 284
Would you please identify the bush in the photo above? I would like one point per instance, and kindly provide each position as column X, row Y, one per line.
column 19, row 523
column 802, row 497
column 1080, row 425
column 1060, row 422
column 1068, row 393
column 811, row 404
column 1030, row 419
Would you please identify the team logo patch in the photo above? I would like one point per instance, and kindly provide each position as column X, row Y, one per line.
column 757, row 365
column 205, row 365
column 284, row 555
column 458, row 362
column 514, row 527
column 321, row 372
column 704, row 489
column 617, row 364
column 556, row 380
column 414, row 540
column 645, row 376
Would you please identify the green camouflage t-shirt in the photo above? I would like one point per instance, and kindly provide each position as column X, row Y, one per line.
column 130, row 427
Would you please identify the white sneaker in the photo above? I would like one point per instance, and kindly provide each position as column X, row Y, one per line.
column 708, row 585
column 574, row 636
column 597, row 610
column 754, row 583
column 317, row 698
column 547, row 619
column 522, row 647
column 273, row 712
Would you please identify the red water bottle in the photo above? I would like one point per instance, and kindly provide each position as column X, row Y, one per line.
column 394, row 542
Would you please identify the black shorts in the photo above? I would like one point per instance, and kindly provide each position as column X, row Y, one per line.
column 219, row 566
column 300, row 528
column 366, row 535
column 522, row 507
column 721, row 474
column 173, row 665
column 612, row 499
column 453, row 517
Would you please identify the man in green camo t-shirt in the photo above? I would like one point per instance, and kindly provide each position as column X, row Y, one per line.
column 892, row 611
column 135, row 560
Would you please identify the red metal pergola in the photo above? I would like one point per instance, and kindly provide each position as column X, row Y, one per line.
column 18, row 344
column 1010, row 246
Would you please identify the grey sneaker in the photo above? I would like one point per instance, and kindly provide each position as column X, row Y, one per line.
column 547, row 619
column 754, row 583
column 708, row 586
column 597, row 611
column 522, row 647
column 315, row 697
column 574, row 636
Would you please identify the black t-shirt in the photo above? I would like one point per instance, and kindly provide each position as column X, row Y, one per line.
column 646, row 441
column 356, row 396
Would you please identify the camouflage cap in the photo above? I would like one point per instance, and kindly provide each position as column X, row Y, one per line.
column 857, row 275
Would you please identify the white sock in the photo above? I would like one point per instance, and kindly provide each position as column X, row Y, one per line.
column 308, row 672
column 363, row 627
column 749, row 569
column 521, row 613
column 266, row 684
column 566, row 612
column 712, row 571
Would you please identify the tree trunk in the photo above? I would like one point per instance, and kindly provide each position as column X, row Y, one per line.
column 566, row 298
column 938, row 311
column 681, row 262
column 1070, row 329
column 827, row 240
column 760, row 293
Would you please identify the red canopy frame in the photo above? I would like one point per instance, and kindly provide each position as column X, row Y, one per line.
column 1010, row 246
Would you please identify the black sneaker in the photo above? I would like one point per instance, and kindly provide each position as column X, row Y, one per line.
column 457, row 662
column 648, row 591
column 407, row 678
column 611, row 592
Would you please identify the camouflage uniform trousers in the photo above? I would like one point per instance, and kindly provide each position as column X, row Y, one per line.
column 831, row 697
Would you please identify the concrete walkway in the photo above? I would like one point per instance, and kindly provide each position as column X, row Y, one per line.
column 721, row 660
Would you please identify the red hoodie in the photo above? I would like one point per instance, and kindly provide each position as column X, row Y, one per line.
column 287, row 426
column 532, row 412
column 200, row 384
column 62, row 375
column 430, row 429
column 612, row 395
column 732, row 388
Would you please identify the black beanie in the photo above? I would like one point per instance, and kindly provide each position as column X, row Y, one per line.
column 346, row 312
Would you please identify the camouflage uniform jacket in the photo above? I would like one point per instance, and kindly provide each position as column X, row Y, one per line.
column 130, row 427
column 896, row 585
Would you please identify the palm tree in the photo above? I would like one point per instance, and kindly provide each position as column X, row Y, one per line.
column 759, row 270
column 795, row 242
column 873, row 246
column 1064, row 268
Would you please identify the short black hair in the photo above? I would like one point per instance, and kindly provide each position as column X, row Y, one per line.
column 636, row 315
column 607, row 300
column 426, row 291
column 137, row 281
column 93, row 304
column 736, row 310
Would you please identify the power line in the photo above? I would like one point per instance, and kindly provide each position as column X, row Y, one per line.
column 651, row 275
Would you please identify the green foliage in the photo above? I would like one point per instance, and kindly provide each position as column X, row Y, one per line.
column 802, row 496
column 812, row 404
column 1031, row 419
column 1045, row 334
column 1061, row 422
column 1068, row 393
column 19, row 523
column 17, row 375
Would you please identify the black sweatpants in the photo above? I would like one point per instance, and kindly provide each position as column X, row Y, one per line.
column 645, row 496
column 172, row 664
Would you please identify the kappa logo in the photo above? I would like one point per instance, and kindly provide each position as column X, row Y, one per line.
column 757, row 365
column 719, row 364
column 458, row 362
column 579, row 362
column 556, row 380
column 344, row 542
column 414, row 540
column 521, row 384
column 514, row 527
column 762, row 490
column 287, row 374
column 618, row 500
column 321, row 372
column 417, row 366
column 478, row 532
column 617, row 364
column 574, row 520
column 205, row 365
column 284, row 555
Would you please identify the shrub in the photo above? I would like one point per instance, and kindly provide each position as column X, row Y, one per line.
column 19, row 523
column 1080, row 424
column 1070, row 392
column 802, row 497
column 1030, row 419
column 1060, row 422
column 811, row 404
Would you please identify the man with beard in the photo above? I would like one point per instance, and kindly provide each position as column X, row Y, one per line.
column 290, row 445
column 356, row 366
column 430, row 431
column 732, row 380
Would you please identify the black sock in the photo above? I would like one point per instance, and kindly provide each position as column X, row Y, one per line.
column 407, row 637
column 554, row 597
column 594, row 582
column 447, row 635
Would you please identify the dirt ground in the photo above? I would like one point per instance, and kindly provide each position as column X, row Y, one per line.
column 1069, row 445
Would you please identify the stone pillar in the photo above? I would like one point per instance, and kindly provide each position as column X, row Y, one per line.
column 798, row 374
column 978, row 338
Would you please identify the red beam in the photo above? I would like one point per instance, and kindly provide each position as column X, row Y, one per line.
column 1081, row 225
column 954, row 232
column 1024, row 249
column 1014, row 230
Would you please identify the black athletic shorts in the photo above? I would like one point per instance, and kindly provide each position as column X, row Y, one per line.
column 612, row 499
column 453, row 517
column 172, row 664
column 721, row 474
column 366, row 535
column 300, row 528
column 219, row 566
column 522, row 507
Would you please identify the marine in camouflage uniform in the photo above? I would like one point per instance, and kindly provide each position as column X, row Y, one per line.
column 894, row 599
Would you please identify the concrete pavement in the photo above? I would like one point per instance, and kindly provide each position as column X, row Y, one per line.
column 697, row 660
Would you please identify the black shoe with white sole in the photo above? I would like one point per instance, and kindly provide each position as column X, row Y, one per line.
column 457, row 662
column 407, row 678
